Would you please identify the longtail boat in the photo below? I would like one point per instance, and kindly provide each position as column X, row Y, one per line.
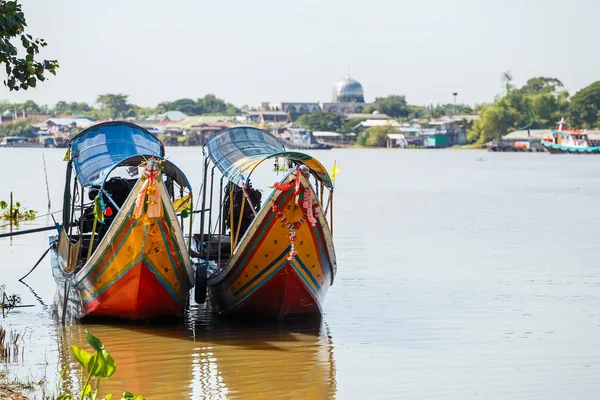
column 274, row 259
column 120, row 251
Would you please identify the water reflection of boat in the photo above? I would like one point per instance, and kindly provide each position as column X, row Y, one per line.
column 277, row 259
column 133, row 264
column 286, row 361
column 212, row 359
column 148, row 361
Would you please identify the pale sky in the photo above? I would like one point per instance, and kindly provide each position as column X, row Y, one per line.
column 251, row 51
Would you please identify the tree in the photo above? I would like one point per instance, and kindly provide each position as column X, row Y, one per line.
column 231, row 110
column 438, row 111
column 187, row 106
column 494, row 121
column 142, row 112
column 542, row 84
column 507, row 80
column 350, row 125
column 209, row 104
column 370, row 109
column 29, row 107
column 21, row 127
column 416, row 112
column 21, row 73
column 115, row 105
column 394, row 106
column 376, row 136
column 73, row 108
column 321, row 121
column 536, row 105
column 585, row 107
column 547, row 108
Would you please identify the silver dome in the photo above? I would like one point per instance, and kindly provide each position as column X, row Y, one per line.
column 348, row 91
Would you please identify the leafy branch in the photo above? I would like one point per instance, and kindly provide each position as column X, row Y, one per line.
column 22, row 72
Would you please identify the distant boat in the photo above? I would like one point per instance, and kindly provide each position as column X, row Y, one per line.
column 277, row 260
column 120, row 251
column 569, row 142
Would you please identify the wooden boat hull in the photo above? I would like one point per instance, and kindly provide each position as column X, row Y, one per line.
column 140, row 270
column 262, row 277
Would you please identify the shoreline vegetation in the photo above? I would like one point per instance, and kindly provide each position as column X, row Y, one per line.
column 538, row 104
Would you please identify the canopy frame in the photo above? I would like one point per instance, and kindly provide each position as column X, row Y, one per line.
column 237, row 163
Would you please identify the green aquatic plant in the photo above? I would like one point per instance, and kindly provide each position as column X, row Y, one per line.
column 17, row 213
column 9, row 302
column 99, row 364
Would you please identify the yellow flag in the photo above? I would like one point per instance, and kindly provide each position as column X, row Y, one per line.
column 334, row 171
column 98, row 212
column 68, row 155
column 183, row 203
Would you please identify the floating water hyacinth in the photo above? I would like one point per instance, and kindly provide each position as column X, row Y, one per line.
column 16, row 213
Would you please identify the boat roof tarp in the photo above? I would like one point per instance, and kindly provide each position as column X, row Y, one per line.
column 106, row 144
column 238, row 151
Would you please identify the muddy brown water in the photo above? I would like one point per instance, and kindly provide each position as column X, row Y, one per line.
column 460, row 274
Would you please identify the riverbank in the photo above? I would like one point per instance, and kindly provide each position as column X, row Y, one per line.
column 12, row 390
column 9, row 394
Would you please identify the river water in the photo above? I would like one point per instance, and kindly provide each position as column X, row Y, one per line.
column 460, row 274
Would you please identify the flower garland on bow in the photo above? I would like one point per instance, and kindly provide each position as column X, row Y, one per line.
column 149, row 192
column 307, row 212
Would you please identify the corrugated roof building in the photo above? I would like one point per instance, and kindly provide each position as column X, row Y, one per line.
column 524, row 134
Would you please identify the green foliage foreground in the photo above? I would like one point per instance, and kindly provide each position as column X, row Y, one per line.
column 99, row 365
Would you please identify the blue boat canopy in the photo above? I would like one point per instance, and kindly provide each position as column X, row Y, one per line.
column 104, row 145
column 238, row 151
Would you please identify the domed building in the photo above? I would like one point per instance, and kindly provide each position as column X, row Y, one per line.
column 348, row 97
column 348, row 91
